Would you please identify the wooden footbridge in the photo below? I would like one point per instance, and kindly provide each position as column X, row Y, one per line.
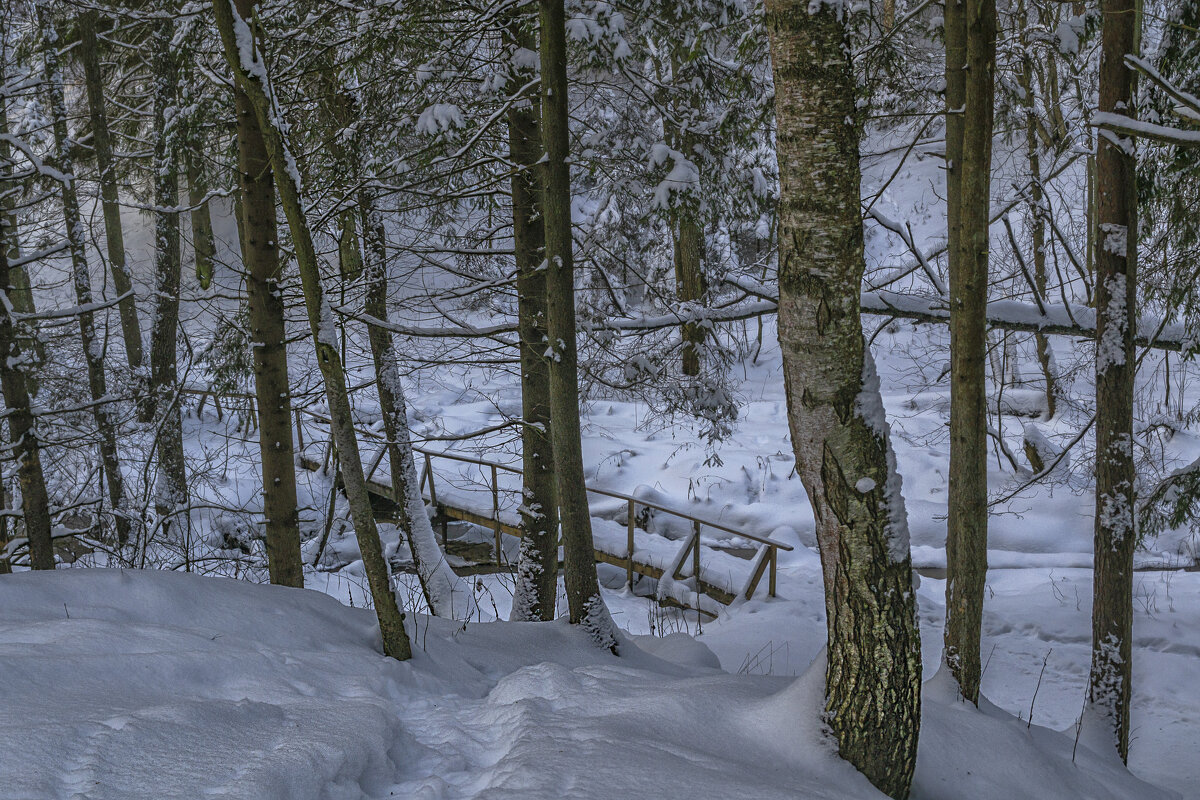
column 693, row 571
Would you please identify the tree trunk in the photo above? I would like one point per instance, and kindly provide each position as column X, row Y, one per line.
column 23, row 433
column 272, row 389
column 1110, row 686
column 446, row 594
column 689, row 283
column 239, row 216
column 1036, row 218
column 242, row 53
column 954, row 26
column 536, row 591
column 1050, row 17
column 170, row 491
column 19, row 288
column 1089, row 248
column 836, row 416
column 350, row 255
column 689, row 243
column 686, row 231
column 106, row 424
column 966, row 529
column 579, row 561
column 204, row 247
column 131, row 329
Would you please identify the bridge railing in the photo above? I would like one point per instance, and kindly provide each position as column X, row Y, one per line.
column 765, row 561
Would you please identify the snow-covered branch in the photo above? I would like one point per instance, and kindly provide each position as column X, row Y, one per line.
column 1128, row 126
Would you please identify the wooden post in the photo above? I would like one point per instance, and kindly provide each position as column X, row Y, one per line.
column 629, row 545
column 696, row 552
column 299, row 432
column 761, row 561
column 328, row 452
column 432, row 489
column 5, row 568
column 696, row 569
column 375, row 465
column 496, row 514
column 434, row 501
column 774, row 556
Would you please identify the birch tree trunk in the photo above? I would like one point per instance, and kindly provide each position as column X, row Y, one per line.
column 170, row 491
column 242, row 53
column 536, row 590
column 1110, row 687
column 272, row 389
column 106, row 424
column 966, row 528
column 114, row 236
column 835, row 413
column 579, row 561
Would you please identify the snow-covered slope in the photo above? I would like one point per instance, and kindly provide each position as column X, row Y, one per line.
column 123, row 684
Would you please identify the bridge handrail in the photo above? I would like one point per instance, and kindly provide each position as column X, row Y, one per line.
column 610, row 493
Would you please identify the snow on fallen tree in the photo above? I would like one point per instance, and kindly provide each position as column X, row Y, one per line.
column 1011, row 315
column 1014, row 315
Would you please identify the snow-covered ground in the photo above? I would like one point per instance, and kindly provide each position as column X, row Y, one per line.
column 130, row 684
